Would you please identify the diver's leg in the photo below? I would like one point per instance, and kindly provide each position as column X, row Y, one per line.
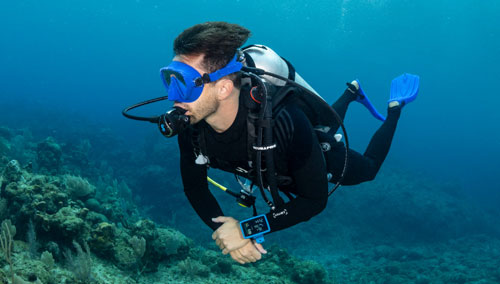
column 361, row 168
column 382, row 139
column 340, row 106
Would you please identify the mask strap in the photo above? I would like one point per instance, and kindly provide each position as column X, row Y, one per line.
column 233, row 66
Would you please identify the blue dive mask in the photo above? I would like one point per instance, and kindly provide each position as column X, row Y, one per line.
column 185, row 84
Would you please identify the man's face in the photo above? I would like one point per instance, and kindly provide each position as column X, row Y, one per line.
column 207, row 103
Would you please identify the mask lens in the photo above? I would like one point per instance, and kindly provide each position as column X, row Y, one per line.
column 175, row 83
column 179, row 78
column 169, row 74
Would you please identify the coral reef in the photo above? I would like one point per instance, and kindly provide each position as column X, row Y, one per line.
column 88, row 230
column 63, row 224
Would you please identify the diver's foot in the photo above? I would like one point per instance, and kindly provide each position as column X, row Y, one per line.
column 351, row 92
column 394, row 104
column 355, row 84
column 353, row 87
column 404, row 89
column 361, row 98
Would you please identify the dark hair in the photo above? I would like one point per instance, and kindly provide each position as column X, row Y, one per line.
column 218, row 41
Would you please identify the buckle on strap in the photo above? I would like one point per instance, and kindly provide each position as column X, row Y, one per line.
column 201, row 160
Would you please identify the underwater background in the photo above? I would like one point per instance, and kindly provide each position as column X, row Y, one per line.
column 76, row 174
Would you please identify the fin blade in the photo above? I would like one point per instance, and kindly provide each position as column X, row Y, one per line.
column 366, row 102
column 404, row 88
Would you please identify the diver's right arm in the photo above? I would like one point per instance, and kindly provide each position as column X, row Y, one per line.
column 194, row 179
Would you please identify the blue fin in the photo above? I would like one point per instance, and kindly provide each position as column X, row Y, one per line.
column 363, row 99
column 404, row 88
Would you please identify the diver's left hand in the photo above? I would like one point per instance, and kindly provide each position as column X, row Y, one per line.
column 250, row 252
column 228, row 236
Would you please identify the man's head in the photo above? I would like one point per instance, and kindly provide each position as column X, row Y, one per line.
column 217, row 41
column 208, row 47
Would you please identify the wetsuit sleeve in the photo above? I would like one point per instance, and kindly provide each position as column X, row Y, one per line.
column 308, row 171
column 194, row 179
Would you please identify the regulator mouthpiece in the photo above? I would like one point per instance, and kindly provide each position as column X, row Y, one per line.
column 173, row 122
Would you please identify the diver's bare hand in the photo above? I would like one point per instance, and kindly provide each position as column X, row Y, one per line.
column 228, row 236
column 250, row 252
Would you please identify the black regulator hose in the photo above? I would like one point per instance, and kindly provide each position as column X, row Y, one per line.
column 170, row 123
column 269, row 150
column 152, row 119
column 260, row 140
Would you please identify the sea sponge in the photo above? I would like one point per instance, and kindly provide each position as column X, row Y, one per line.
column 67, row 222
column 103, row 238
column 12, row 172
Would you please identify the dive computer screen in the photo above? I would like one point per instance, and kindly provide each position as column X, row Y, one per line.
column 257, row 225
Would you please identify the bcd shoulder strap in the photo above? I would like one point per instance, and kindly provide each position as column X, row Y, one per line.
column 199, row 145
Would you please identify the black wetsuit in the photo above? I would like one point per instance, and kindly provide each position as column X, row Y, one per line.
column 299, row 157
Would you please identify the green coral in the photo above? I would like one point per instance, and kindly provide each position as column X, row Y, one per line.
column 67, row 222
column 308, row 272
column 47, row 259
column 193, row 268
column 124, row 255
column 145, row 228
column 171, row 243
column 49, row 156
column 280, row 262
column 12, row 172
column 103, row 238
column 78, row 187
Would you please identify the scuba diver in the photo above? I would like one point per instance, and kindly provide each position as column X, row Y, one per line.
column 248, row 112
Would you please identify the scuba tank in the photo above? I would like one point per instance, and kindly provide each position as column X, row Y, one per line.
column 320, row 113
column 265, row 58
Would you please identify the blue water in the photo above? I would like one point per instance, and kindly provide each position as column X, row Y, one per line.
column 99, row 56
column 91, row 59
